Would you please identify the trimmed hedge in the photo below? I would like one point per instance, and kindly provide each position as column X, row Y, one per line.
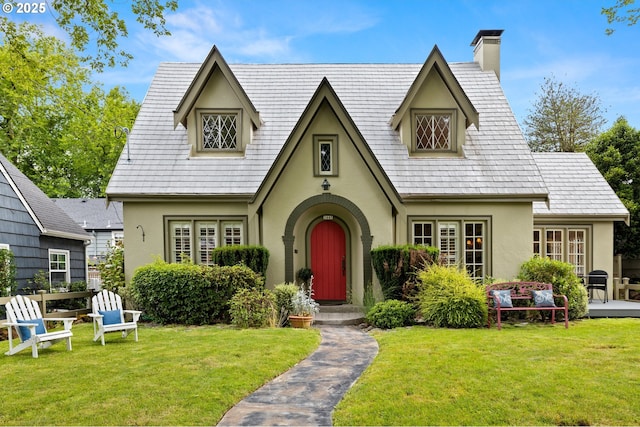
column 391, row 314
column 253, row 256
column 189, row 294
column 395, row 266
column 253, row 308
column 564, row 280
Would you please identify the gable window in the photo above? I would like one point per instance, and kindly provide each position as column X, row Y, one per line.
column 59, row 271
column 433, row 131
column 195, row 239
column 219, row 131
column 325, row 159
column 461, row 241
column 567, row 244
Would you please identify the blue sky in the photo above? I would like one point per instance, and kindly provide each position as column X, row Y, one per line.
column 563, row 38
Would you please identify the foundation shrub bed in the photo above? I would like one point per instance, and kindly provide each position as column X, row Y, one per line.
column 448, row 297
column 190, row 294
column 565, row 282
column 395, row 267
column 253, row 256
column 391, row 314
column 253, row 308
column 284, row 293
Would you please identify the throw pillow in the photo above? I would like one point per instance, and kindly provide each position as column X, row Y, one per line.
column 543, row 298
column 25, row 332
column 110, row 317
column 505, row 298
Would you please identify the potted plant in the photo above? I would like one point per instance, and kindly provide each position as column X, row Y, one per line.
column 304, row 307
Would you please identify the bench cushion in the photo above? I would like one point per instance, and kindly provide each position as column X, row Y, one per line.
column 24, row 331
column 543, row 298
column 505, row 298
column 110, row 317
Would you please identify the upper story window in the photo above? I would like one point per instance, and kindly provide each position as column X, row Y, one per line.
column 325, row 155
column 434, row 130
column 219, row 131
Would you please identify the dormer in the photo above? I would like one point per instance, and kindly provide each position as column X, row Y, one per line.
column 216, row 111
column 435, row 112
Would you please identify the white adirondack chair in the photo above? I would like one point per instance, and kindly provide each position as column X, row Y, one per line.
column 24, row 314
column 108, row 316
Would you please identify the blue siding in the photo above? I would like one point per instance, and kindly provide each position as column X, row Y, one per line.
column 19, row 231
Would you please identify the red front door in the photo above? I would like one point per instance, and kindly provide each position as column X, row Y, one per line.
column 328, row 262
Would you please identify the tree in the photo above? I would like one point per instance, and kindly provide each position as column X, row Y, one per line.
column 616, row 154
column 92, row 21
column 57, row 126
column 621, row 12
column 563, row 119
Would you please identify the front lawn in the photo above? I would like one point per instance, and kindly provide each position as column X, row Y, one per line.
column 171, row 376
column 523, row 375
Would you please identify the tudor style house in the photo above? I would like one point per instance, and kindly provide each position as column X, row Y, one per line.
column 320, row 163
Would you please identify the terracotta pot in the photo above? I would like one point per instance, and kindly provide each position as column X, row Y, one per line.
column 300, row 321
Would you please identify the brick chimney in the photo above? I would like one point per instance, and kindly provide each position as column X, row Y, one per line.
column 486, row 50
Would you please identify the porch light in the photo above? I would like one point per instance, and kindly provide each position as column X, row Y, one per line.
column 325, row 185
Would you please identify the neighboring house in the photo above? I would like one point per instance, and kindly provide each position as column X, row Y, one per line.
column 102, row 221
column 321, row 163
column 40, row 235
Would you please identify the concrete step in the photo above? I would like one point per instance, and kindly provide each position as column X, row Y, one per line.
column 344, row 314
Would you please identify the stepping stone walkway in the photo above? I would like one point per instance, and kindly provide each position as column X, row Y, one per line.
column 307, row 393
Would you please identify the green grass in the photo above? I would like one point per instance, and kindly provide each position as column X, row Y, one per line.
column 171, row 376
column 522, row 375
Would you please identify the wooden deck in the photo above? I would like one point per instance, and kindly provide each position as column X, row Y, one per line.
column 614, row 308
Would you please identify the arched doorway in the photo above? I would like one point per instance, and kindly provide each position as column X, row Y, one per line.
column 328, row 261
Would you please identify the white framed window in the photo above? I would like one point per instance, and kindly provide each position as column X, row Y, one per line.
column 196, row 238
column 59, row 269
column 219, row 130
column 325, row 155
column 461, row 241
column 564, row 243
column 434, row 130
column 117, row 237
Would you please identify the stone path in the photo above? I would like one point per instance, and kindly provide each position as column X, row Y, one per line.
column 307, row 393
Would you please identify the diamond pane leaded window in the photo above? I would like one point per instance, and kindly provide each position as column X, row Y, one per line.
column 219, row 131
column 325, row 157
column 433, row 132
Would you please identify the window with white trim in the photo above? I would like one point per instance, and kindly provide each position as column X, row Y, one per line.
column 466, row 248
column 325, row 155
column 219, row 131
column 195, row 239
column 563, row 243
column 59, row 270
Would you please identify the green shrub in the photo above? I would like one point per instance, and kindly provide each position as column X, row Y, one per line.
column 253, row 308
column 189, row 294
column 284, row 293
column 448, row 297
column 391, row 314
column 8, row 283
column 396, row 265
column 253, row 256
column 561, row 275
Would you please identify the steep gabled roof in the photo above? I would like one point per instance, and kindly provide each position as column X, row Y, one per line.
column 49, row 218
column 435, row 61
column 214, row 61
column 497, row 162
column 93, row 214
column 576, row 188
column 325, row 94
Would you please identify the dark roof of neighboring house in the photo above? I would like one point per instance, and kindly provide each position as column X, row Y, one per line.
column 50, row 219
column 93, row 214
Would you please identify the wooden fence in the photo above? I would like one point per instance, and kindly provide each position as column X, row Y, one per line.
column 42, row 297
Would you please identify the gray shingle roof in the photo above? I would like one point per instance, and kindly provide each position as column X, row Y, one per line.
column 497, row 160
column 576, row 187
column 93, row 214
column 54, row 221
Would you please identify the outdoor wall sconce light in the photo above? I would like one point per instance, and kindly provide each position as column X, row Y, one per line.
column 141, row 229
column 325, row 185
